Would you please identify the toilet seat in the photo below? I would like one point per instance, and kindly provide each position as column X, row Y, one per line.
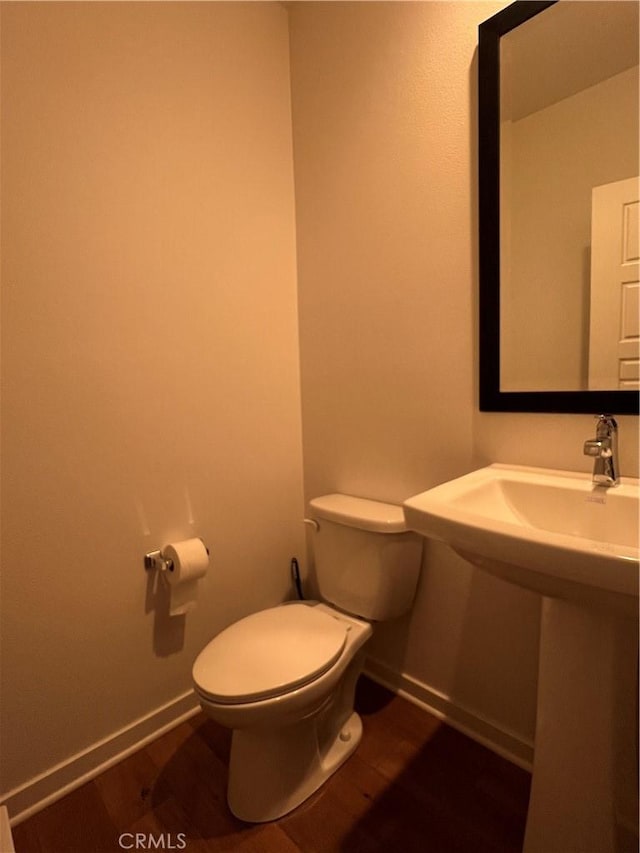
column 269, row 653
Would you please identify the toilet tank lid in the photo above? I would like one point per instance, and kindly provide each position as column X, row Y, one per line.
column 365, row 514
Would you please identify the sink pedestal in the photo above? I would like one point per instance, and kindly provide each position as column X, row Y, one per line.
column 577, row 749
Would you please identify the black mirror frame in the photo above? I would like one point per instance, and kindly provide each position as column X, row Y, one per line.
column 492, row 399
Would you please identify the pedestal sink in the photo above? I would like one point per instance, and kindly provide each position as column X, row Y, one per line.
column 576, row 544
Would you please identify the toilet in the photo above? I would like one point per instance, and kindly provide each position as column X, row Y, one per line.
column 283, row 679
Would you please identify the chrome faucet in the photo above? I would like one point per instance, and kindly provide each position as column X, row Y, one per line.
column 604, row 449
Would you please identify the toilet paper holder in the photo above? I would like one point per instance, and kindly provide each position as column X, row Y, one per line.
column 156, row 560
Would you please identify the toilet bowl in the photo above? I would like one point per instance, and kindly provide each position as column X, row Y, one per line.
column 291, row 727
column 284, row 679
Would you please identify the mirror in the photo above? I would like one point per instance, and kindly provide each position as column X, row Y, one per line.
column 559, row 208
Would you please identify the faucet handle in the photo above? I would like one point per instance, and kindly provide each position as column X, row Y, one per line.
column 606, row 420
column 606, row 428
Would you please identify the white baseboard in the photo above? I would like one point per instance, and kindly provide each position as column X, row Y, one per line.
column 47, row 787
column 508, row 744
column 6, row 840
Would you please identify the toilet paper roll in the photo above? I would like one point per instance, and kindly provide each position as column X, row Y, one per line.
column 190, row 562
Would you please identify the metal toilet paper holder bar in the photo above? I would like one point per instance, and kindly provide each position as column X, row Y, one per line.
column 155, row 560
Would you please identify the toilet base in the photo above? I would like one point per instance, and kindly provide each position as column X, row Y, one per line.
column 272, row 772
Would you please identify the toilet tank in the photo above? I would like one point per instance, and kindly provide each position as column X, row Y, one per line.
column 367, row 561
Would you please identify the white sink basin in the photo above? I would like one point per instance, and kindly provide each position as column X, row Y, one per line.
column 552, row 532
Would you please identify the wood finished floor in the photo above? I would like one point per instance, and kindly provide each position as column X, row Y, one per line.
column 414, row 784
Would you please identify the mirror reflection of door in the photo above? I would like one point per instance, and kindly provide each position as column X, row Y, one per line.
column 614, row 327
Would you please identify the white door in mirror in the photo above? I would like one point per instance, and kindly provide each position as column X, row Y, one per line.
column 614, row 342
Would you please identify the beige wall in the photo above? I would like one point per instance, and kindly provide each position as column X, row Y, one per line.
column 150, row 352
column 384, row 219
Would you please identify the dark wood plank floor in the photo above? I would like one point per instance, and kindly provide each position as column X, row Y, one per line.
column 414, row 784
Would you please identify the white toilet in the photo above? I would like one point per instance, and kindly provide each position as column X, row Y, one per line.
column 284, row 678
